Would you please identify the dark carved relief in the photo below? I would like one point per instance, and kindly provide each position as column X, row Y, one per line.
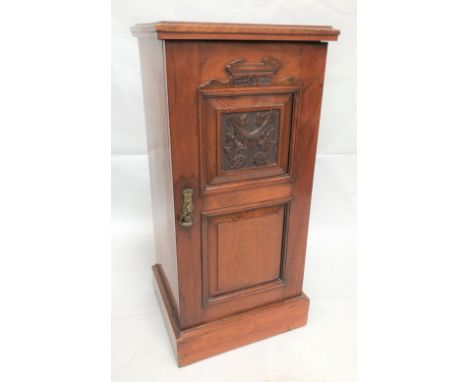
column 249, row 139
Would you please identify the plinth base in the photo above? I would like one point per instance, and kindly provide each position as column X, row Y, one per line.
column 206, row 340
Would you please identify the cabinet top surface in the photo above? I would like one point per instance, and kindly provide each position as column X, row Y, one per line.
column 173, row 30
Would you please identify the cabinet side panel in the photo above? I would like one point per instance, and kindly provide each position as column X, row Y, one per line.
column 159, row 153
column 313, row 70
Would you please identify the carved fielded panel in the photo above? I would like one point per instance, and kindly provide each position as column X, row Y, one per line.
column 247, row 124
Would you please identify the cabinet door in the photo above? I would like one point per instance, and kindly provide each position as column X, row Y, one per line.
column 244, row 122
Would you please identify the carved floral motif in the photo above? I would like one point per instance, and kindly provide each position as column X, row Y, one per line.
column 249, row 139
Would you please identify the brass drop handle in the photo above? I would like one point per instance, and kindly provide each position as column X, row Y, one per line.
column 186, row 219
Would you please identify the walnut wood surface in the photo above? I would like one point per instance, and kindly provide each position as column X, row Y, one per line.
column 170, row 30
column 244, row 249
column 189, row 65
column 203, row 341
column 159, row 155
column 237, row 122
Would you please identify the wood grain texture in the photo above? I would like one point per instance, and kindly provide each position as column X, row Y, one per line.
column 240, row 131
column 244, row 249
column 153, row 74
column 192, row 63
column 168, row 310
column 170, row 30
column 203, row 341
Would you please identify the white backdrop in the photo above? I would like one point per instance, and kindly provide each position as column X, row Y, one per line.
column 325, row 349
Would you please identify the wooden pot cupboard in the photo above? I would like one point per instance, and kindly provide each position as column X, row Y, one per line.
column 232, row 118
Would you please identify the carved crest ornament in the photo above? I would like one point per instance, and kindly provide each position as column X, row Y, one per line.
column 243, row 74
